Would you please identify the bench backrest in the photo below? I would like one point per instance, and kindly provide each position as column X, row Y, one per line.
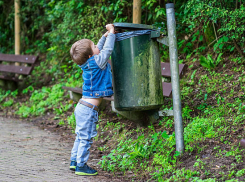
column 166, row 71
column 25, row 67
column 8, row 68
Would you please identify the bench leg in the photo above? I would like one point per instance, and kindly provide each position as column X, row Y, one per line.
column 75, row 96
column 8, row 85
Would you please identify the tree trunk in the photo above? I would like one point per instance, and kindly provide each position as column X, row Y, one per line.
column 137, row 11
column 17, row 27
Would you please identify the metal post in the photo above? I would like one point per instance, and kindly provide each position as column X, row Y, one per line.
column 174, row 66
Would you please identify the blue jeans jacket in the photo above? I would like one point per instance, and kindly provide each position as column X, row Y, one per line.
column 97, row 82
column 97, row 74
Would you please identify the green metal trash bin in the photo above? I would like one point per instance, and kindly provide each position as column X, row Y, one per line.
column 136, row 70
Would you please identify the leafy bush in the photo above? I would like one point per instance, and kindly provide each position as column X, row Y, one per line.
column 43, row 99
column 226, row 20
column 8, row 103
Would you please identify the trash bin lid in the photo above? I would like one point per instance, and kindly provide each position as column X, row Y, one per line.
column 133, row 26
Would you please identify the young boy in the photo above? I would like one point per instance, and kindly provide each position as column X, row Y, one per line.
column 97, row 77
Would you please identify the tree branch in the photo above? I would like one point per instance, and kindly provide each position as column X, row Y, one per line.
column 215, row 40
column 238, row 48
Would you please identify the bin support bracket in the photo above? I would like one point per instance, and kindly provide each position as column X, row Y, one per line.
column 163, row 40
column 166, row 113
column 174, row 66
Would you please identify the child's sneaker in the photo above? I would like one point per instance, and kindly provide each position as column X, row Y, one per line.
column 85, row 171
column 73, row 165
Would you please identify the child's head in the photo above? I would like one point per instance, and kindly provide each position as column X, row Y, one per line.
column 81, row 51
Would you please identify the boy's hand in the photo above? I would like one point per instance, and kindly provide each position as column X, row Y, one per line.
column 110, row 28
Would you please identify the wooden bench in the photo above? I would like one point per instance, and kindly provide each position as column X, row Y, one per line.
column 167, row 87
column 10, row 71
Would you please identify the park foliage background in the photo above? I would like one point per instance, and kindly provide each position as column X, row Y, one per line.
column 211, row 41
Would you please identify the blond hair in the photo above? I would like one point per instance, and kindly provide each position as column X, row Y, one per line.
column 81, row 50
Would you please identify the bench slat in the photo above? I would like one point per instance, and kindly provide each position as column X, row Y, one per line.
column 76, row 89
column 167, row 89
column 166, row 71
column 5, row 77
column 18, row 58
column 80, row 91
column 109, row 98
column 16, row 69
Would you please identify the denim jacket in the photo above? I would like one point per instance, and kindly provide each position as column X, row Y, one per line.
column 97, row 74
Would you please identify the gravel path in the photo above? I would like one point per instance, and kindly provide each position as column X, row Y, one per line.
column 28, row 153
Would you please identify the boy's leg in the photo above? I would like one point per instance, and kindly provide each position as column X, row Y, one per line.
column 73, row 163
column 74, row 150
column 86, row 119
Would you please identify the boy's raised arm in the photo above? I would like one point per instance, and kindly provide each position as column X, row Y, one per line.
column 102, row 58
column 101, row 42
column 105, row 53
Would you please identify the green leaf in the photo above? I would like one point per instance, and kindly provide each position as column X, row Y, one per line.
column 165, row 135
column 194, row 38
column 80, row 4
column 189, row 44
column 232, row 48
column 201, row 38
column 221, row 46
column 149, row 17
column 140, row 137
column 225, row 39
column 193, row 74
column 204, row 62
column 210, row 59
column 211, row 64
column 188, row 56
column 218, row 59
column 177, row 153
